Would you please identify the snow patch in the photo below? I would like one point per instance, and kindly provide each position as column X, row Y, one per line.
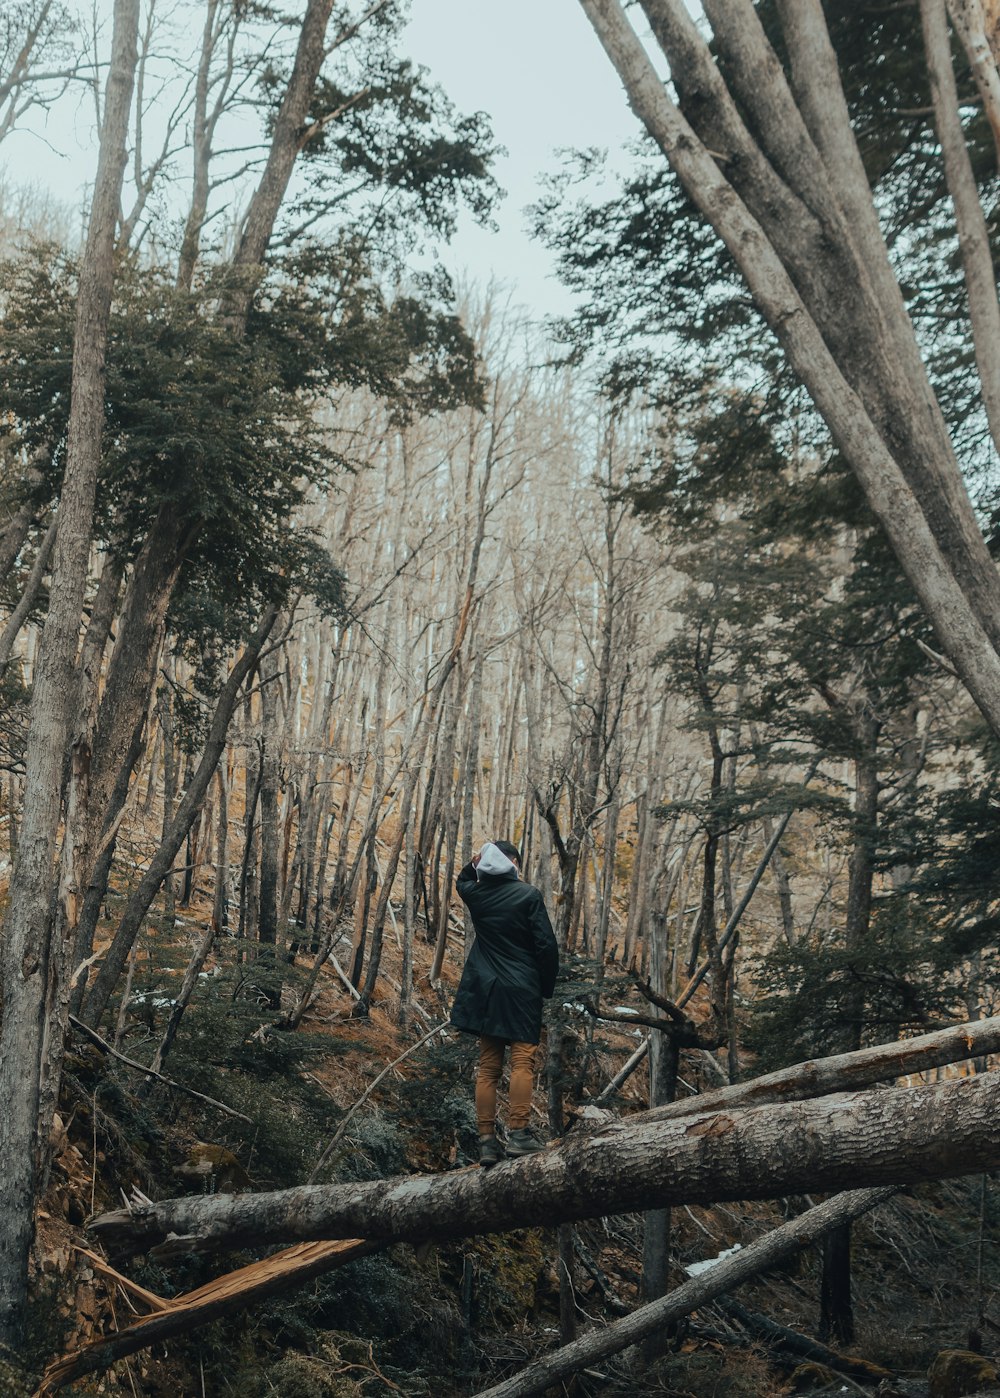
column 695, row 1269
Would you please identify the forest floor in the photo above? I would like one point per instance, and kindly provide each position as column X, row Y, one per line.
column 447, row 1321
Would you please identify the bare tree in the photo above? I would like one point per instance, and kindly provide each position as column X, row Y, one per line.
column 28, row 962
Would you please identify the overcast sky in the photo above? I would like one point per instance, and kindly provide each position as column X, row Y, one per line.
column 534, row 65
column 537, row 68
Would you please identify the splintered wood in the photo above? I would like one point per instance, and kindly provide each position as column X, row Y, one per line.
column 234, row 1291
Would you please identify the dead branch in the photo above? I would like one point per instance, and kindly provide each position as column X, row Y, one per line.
column 105, row 1047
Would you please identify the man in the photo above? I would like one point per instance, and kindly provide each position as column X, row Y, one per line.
column 510, row 970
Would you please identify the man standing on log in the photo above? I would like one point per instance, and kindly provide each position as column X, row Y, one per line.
column 510, row 970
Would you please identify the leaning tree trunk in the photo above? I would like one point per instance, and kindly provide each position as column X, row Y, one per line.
column 945, row 561
column 658, row 1317
column 25, row 944
column 970, row 221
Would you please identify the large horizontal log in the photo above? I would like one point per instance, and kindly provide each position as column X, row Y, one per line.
column 725, row 1276
column 879, row 1137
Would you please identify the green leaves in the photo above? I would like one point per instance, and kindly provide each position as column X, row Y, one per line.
column 227, row 434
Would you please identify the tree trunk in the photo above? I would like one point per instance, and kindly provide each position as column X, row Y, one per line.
column 220, row 902
column 18, row 527
column 25, row 963
column 865, row 1139
column 664, row 1060
column 725, row 1276
column 970, row 221
column 970, row 23
column 28, row 598
column 270, row 776
column 963, row 612
column 289, row 136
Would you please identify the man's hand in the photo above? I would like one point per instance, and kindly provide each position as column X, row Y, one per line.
column 475, row 860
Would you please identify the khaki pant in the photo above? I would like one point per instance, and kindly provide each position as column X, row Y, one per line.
column 522, row 1071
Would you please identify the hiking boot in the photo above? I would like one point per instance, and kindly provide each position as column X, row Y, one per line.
column 522, row 1142
column 490, row 1152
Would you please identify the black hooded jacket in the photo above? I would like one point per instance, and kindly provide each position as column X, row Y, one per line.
column 513, row 962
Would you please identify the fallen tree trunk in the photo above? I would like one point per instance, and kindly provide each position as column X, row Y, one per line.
column 880, row 1137
column 724, row 1276
column 233, row 1292
column 847, row 1072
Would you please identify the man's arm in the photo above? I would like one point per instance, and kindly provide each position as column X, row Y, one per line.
column 466, row 878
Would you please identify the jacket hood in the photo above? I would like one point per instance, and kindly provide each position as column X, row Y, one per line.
column 493, row 861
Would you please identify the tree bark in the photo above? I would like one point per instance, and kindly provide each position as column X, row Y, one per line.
column 969, row 20
column 664, row 1058
column 867, row 1138
column 963, row 627
column 270, row 776
column 970, row 221
column 28, row 598
column 699, row 1291
column 820, row 220
column 26, row 935
column 18, row 528
column 286, row 142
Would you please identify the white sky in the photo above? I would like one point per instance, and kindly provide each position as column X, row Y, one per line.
column 537, row 68
column 534, row 65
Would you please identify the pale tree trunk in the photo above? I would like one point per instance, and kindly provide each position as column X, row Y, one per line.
column 948, row 564
column 451, row 659
column 25, row 960
column 404, row 818
column 290, row 134
column 220, row 902
column 95, row 642
column 115, row 740
column 970, row 221
column 865, row 1139
column 191, row 974
column 820, row 219
column 470, row 770
column 132, row 668
column 970, row 21
column 221, row 21
column 782, row 884
column 409, row 926
column 378, row 794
